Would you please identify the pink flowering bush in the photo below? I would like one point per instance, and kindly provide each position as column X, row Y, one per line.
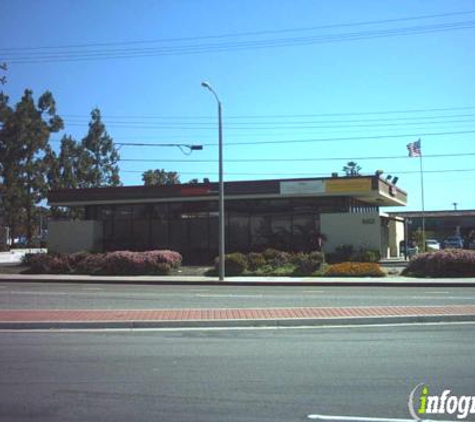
column 109, row 263
column 445, row 263
column 43, row 263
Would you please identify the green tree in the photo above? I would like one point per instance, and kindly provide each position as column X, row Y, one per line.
column 352, row 169
column 101, row 157
column 24, row 137
column 67, row 170
column 160, row 177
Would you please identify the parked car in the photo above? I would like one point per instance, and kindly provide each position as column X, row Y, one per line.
column 453, row 242
column 432, row 244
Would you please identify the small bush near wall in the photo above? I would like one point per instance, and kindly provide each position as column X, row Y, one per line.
column 354, row 269
column 47, row 263
column 446, row 263
column 110, row 263
column 234, row 264
column 307, row 264
column 255, row 261
column 271, row 263
column 347, row 253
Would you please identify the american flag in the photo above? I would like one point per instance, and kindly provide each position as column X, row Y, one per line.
column 414, row 148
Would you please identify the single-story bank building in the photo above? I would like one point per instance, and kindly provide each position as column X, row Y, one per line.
column 288, row 214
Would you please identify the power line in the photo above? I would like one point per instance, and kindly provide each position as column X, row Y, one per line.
column 282, row 160
column 280, row 116
column 419, row 120
column 294, row 141
column 349, row 138
column 242, row 34
column 315, row 140
column 233, row 46
column 275, row 127
column 307, row 173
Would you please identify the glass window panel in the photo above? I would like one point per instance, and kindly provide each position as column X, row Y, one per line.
column 238, row 232
column 124, row 212
column 304, row 232
column 159, row 235
column 141, row 235
column 281, row 228
column 261, row 231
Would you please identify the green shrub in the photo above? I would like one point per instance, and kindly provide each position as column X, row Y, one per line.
column 269, row 254
column 307, row 264
column 255, row 260
column 366, row 255
column 341, row 253
column 234, row 263
column 354, row 269
column 446, row 263
column 281, row 259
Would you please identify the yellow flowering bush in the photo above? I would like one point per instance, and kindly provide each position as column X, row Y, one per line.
column 354, row 269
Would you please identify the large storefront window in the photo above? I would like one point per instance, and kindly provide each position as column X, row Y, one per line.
column 238, row 228
column 191, row 228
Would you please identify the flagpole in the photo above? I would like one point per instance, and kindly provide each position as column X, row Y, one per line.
column 422, row 201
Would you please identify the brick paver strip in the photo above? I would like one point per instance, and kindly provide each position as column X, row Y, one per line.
column 74, row 315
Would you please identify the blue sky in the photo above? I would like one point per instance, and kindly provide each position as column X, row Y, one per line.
column 317, row 82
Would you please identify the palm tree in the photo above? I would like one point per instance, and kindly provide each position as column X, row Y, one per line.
column 352, row 169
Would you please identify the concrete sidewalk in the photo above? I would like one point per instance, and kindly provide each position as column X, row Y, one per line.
column 389, row 281
column 257, row 317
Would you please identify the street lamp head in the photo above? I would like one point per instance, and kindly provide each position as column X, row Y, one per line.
column 205, row 84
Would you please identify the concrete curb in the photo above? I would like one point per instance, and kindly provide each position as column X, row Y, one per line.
column 241, row 281
column 236, row 323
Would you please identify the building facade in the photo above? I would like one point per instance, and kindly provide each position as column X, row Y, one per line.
column 441, row 224
column 292, row 215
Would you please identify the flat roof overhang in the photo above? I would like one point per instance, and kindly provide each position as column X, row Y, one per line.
column 368, row 189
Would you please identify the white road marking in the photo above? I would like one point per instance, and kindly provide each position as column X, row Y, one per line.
column 227, row 295
column 92, row 288
column 444, row 298
column 180, row 329
column 361, row 418
column 436, row 293
column 38, row 293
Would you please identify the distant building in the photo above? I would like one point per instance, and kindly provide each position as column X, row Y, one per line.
column 289, row 214
column 441, row 224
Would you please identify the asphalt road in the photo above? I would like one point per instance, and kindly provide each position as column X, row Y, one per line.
column 224, row 375
column 20, row 295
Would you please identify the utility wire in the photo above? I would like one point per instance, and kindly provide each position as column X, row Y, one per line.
column 280, row 116
column 42, row 57
column 283, row 160
column 241, row 34
column 295, row 141
column 314, row 140
column 200, row 124
column 274, row 126
column 307, row 174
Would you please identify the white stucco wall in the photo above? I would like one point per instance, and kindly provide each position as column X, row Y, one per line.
column 74, row 236
column 362, row 230
column 396, row 234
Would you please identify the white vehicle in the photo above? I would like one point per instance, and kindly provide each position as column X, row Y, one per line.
column 432, row 244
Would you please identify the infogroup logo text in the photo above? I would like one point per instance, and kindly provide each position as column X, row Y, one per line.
column 423, row 404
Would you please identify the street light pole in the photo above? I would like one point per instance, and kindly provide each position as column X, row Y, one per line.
column 221, row 186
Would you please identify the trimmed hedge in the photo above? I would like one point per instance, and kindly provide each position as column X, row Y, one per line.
column 354, row 269
column 109, row 263
column 234, row 263
column 347, row 253
column 271, row 262
column 445, row 263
